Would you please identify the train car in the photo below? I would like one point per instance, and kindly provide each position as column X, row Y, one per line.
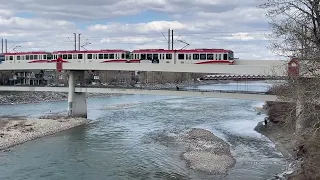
column 28, row 57
column 204, row 56
column 190, row 56
column 95, row 56
column 153, row 56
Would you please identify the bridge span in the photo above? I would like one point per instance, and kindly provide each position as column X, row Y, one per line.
column 246, row 95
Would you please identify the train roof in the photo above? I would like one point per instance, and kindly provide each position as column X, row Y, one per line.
column 27, row 53
column 182, row 51
column 93, row 51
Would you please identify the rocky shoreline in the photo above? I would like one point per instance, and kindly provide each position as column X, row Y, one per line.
column 282, row 138
column 11, row 98
column 15, row 131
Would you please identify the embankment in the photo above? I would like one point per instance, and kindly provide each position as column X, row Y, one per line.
column 280, row 133
column 14, row 131
column 34, row 97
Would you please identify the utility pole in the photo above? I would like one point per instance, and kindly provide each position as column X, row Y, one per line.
column 6, row 45
column 75, row 41
column 169, row 37
column 172, row 39
column 79, row 42
column 2, row 45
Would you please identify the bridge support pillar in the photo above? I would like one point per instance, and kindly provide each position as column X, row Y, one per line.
column 77, row 104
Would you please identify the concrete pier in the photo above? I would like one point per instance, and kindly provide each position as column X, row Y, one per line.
column 77, row 103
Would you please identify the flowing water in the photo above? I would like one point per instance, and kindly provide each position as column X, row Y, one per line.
column 128, row 139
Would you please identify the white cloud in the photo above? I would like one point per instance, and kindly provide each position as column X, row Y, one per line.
column 232, row 24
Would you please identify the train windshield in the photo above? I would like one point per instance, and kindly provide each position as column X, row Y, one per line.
column 230, row 56
column 2, row 58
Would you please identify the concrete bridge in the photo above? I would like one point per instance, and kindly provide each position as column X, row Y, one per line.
column 77, row 95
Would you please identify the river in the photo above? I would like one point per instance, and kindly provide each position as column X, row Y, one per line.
column 129, row 138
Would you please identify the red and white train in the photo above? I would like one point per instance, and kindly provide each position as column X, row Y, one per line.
column 190, row 56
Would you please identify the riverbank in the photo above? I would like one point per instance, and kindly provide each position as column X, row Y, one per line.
column 15, row 131
column 10, row 98
column 283, row 138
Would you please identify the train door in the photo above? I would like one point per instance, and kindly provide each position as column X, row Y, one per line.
column 188, row 59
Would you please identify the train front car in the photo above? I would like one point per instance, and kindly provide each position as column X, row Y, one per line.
column 28, row 57
column 204, row 56
column 153, row 56
column 2, row 58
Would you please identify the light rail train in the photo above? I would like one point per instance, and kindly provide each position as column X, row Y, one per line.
column 161, row 56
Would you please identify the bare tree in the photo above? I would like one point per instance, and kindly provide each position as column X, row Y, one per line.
column 295, row 28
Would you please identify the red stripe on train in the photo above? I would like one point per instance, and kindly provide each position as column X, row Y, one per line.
column 216, row 61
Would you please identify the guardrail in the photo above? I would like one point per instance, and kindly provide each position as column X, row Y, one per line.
column 161, row 88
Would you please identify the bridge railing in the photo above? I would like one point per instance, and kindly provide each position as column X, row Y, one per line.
column 159, row 88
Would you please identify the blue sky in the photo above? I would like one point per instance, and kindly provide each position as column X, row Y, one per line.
column 135, row 24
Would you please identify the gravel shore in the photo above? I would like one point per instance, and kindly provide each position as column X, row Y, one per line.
column 17, row 131
column 206, row 152
column 34, row 97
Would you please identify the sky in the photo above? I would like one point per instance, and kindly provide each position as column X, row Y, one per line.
column 37, row 25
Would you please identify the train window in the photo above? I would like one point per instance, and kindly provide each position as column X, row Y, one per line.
column 143, row 56
column 80, row 56
column 18, row 57
column 122, row 56
column 11, row 57
column 216, row 56
column 219, row 56
column 64, row 56
column 95, row 56
column 105, row 56
column 155, row 56
column 60, row 55
column 100, row 56
column 89, row 56
column 196, row 56
column 168, row 56
column 225, row 56
column 203, row 56
column 31, row 57
column 27, row 57
column 188, row 56
column 21, row 57
column 210, row 56
column 111, row 56
column 74, row 56
column 45, row 57
column 35, row 57
column 181, row 56
column 149, row 56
